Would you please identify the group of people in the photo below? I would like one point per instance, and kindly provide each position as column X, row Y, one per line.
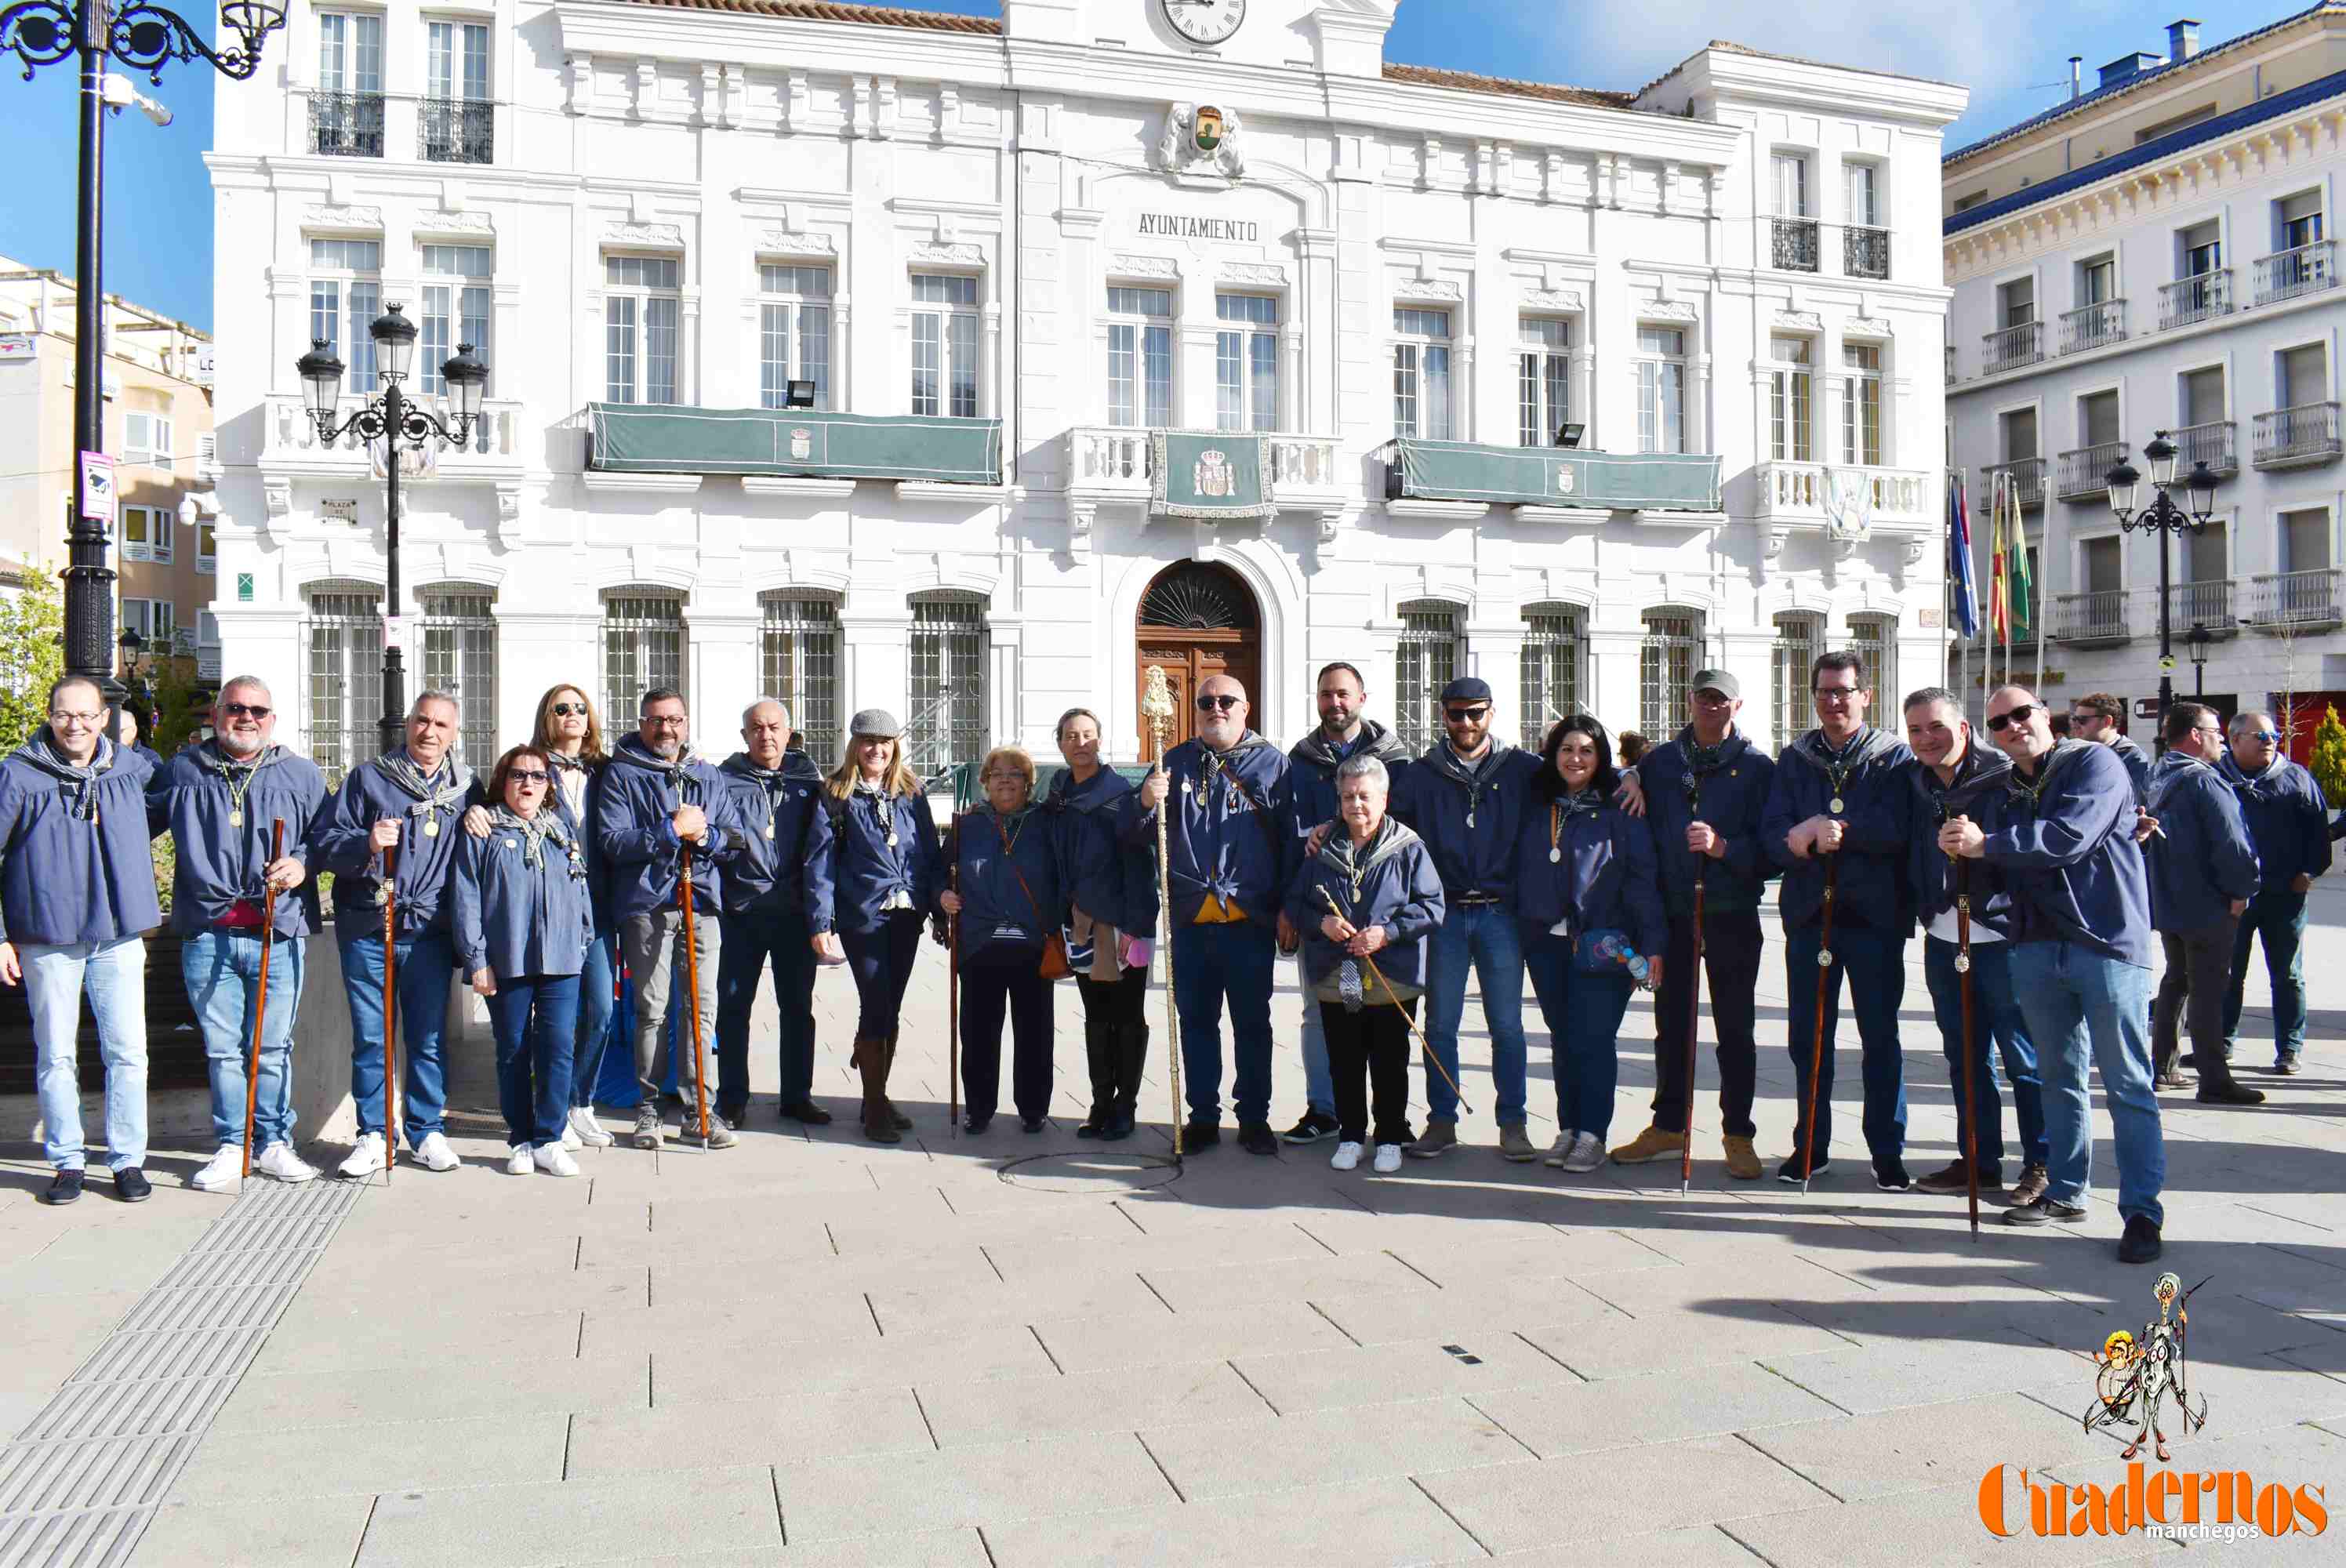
column 2043, row 871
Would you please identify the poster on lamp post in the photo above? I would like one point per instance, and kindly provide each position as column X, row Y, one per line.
column 98, row 488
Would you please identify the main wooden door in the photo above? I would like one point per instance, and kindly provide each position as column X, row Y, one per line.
column 1197, row 620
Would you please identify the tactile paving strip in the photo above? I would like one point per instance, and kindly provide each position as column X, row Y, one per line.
column 79, row 1483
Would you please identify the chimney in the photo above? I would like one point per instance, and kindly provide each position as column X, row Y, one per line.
column 2076, row 64
column 2182, row 40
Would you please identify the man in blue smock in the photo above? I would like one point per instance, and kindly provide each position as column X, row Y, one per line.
column 2076, row 907
column 776, row 792
column 2203, row 874
column 1230, row 845
column 2288, row 823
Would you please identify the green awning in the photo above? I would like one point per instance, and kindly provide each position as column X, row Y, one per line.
column 793, row 441
column 1553, row 476
column 1210, row 473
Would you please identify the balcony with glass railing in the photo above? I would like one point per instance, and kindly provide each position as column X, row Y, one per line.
column 2305, row 436
column 2093, row 326
column 1792, row 245
column 2198, row 297
column 2287, row 603
column 2211, row 443
column 2292, row 273
column 346, row 125
column 2028, row 480
column 2009, row 348
column 2096, row 619
column 2083, row 474
column 1864, row 251
column 455, row 131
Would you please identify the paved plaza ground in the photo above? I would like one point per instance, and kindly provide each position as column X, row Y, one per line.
column 1009, row 1350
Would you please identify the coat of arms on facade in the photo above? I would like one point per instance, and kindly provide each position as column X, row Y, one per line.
column 802, row 444
column 1564, row 480
column 1849, row 505
column 1201, row 133
column 1213, row 476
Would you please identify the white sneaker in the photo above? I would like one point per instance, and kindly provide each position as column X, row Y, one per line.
column 1347, row 1157
column 570, row 1139
column 434, row 1154
column 588, row 1130
column 555, row 1160
column 518, row 1161
column 1561, row 1150
column 222, row 1171
column 1587, row 1154
column 1388, row 1159
column 279, row 1163
column 365, row 1157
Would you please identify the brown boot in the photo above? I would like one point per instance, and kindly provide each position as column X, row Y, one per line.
column 896, row 1118
column 870, row 1059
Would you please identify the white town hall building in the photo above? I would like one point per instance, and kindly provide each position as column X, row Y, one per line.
column 1129, row 332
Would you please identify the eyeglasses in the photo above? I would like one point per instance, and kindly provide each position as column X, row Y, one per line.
column 2087, row 717
column 1836, row 693
column 566, row 709
column 2267, row 736
column 244, row 710
column 1466, row 715
column 86, row 721
column 1223, row 701
column 2215, row 729
column 1997, row 723
column 666, row 720
column 528, row 776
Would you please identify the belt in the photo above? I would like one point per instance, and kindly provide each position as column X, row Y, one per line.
column 1478, row 899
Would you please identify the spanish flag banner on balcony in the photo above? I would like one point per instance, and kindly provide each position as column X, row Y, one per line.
column 1210, row 473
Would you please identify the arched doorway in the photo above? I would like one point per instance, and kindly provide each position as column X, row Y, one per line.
column 1197, row 620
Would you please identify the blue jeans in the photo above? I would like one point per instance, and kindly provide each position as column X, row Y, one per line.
column 597, row 1002
column 1583, row 1013
column 223, row 971
column 114, row 973
column 1212, row 964
column 1874, row 963
column 1319, row 1082
column 2278, row 917
column 1485, row 938
column 2085, row 1006
column 425, row 961
column 1997, row 1027
column 753, row 941
column 536, row 1019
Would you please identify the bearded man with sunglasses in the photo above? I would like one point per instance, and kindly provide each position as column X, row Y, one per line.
column 2288, row 824
column 2075, row 900
column 218, row 801
column 1230, row 849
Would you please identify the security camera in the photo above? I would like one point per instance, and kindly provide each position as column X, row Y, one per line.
column 119, row 92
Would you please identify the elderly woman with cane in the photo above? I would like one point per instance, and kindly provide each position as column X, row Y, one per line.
column 1007, row 862
column 522, row 921
column 1588, row 895
column 872, row 877
column 1366, row 900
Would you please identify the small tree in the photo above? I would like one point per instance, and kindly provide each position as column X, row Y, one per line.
column 31, row 656
column 180, row 705
column 2329, row 763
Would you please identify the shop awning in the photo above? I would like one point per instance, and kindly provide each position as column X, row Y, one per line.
column 1552, row 476
column 793, row 441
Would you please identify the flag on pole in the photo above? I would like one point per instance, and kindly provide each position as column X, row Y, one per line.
column 2023, row 606
column 1959, row 559
column 1999, row 579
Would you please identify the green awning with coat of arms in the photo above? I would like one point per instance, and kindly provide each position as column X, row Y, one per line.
column 1553, row 476
column 793, row 442
column 1210, row 473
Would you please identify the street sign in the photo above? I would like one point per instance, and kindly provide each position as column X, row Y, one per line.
column 348, row 511
column 15, row 346
column 2146, row 708
column 97, row 487
column 244, row 587
column 2166, row 662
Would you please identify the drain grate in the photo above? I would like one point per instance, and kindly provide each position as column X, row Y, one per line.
column 79, row 1483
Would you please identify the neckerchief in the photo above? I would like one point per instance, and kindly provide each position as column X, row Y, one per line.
column 1444, row 761
column 1837, row 765
column 536, row 832
column 444, row 791
column 769, row 785
column 883, row 810
column 81, row 798
column 2033, row 790
column 1354, row 862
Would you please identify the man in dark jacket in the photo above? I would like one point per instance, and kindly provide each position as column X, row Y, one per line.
column 1313, row 762
column 1841, row 802
column 2100, row 717
column 1465, row 799
column 1230, row 845
column 406, row 802
column 2288, row 824
column 654, row 804
column 2203, row 872
column 2076, row 907
column 1703, row 794
column 1954, row 775
column 76, row 899
column 219, row 801
column 775, row 791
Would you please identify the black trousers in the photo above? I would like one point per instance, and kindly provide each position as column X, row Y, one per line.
column 1368, row 1051
column 1730, row 956
column 993, row 980
column 2191, row 991
column 880, row 959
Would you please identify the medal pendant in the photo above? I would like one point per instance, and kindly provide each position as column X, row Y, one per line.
column 236, row 819
column 1963, row 963
column 769, row 829
column 1470, row 818
column 431, row 829
column 1555, row 856
column 1824, row 958
column 1836, row 806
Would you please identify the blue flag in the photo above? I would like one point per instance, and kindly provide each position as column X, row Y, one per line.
column 1959, row 558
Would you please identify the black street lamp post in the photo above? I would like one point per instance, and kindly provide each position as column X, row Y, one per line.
column 2164, row 517
column 2198, row 638
column 146, row 38
column 395, row 422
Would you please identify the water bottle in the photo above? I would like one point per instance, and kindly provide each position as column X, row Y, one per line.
column 1616, row 950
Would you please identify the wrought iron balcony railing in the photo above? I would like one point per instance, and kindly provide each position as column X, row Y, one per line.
column 2300, row 437
column 2198, row 297
column 2093, row 326
column 2286, row 274
column 2084, row 474
column 455, row 131
column 2027, row 481
column 1864, row 252
column 2211, row 443
column 1793, row 244
column 346, row 125
column 2009, row 348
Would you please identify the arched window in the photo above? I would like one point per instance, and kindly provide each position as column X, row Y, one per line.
column 949, row 699
column 799, row 662
column 1797, row 633
column 459, row 655
column 1427, row 658
column 341, row 644
column 1666, row 667
column 1555, row 654
column 643, row 649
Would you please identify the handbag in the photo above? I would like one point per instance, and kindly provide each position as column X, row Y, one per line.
column 1603, row 950
column 1055, row 964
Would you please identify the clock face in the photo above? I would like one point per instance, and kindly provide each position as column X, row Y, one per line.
column 1205, row 21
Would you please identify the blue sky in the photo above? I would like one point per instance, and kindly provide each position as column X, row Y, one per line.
column 158, row 197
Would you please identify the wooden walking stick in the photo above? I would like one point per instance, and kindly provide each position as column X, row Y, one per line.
column 692, row 995
column 1971, row 1042
column 390, row 1009
column 1157, row 707
column 1693, row 995
column 953, row 986
column 1378, row 975
column 260, row 1007
column 1816, row 1052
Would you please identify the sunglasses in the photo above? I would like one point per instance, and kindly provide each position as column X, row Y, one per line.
column 244, row 710
column 1224, row 701
column 1466, row 715
column 566, row 709
column 2267, row 736
column 1836, row 693
column 1997, row 723
column 529, row 776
